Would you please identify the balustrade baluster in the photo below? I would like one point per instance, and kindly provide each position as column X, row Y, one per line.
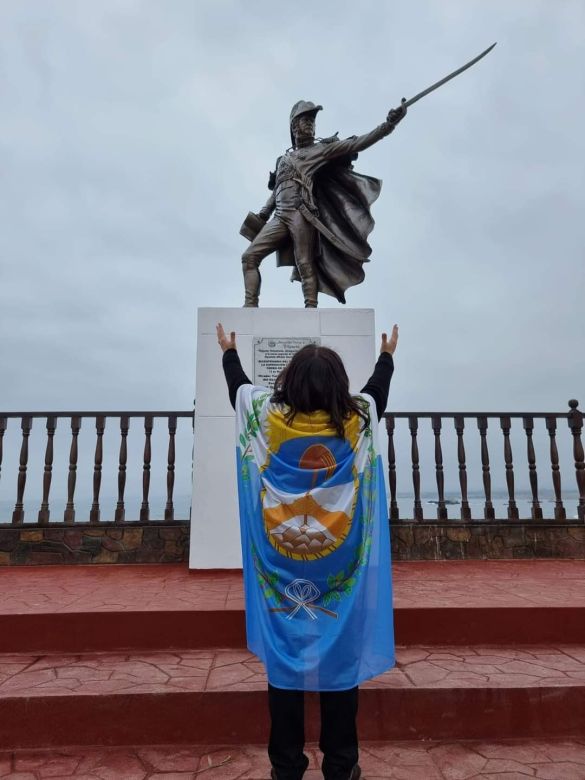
column 69, row 515
column 44, row 511
column 144, row 508
column 459, row 427
column 575, row 419
column 441, row 506
column 100, row 426
column 551, row 426
column 120, row 512
column 18, row 513
column 169, row 508
column 506, row 425
column 417, row 509
column 536, row 509
column 394, row 511
column 488, row 512
column 2, row 429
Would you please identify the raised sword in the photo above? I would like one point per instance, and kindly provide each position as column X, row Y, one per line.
column 407, row 103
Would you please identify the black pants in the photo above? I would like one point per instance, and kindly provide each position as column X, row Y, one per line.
column 338, row 740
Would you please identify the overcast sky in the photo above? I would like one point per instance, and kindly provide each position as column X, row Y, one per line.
column 135, row 136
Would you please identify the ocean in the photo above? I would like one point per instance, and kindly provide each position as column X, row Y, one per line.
column 182, row 503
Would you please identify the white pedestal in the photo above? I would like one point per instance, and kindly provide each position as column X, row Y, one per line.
column 215, row 533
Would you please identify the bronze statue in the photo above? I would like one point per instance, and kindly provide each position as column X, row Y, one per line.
column 321, row 207
column 321, row 210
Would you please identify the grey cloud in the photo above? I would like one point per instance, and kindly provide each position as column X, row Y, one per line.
column 136, row 135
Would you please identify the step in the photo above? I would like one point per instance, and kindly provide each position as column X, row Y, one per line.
column 218, row 696
column 504, row 760
column 156, row 607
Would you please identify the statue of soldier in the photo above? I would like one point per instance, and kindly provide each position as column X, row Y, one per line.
column 321, row 210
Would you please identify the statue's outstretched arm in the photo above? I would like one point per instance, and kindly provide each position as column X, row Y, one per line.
column 357, row 143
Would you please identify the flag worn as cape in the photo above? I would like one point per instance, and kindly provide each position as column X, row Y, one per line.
column 315, row 543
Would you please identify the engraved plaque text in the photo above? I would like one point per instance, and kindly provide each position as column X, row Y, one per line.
column 272, row 354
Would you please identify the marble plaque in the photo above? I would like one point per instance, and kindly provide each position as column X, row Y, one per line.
column 271, row 355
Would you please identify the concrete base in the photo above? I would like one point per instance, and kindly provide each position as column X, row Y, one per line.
column 215, row 534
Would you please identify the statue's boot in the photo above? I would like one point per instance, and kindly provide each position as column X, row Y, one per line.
column 252, row 282
column 309, row 284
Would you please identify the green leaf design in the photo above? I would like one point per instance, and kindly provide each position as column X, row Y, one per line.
column 348, row 585
column 331, row 597
column 335, row 580
column 252, row 419
column 268, row 580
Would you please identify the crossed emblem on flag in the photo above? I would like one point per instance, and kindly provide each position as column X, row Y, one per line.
column 303, row 594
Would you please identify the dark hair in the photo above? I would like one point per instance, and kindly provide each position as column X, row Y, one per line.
column 316, row 379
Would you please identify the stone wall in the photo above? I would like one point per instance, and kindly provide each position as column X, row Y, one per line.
column 169, row 542
column 487, row 540
column 103, row 543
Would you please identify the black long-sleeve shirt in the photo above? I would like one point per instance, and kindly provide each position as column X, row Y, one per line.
column 377, row 386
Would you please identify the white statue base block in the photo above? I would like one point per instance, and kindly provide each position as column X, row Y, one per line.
column 215, row 532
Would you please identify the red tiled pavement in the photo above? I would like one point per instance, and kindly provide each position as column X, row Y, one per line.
column 172, row 587
column 203, row 696
column 144, row 588
column 237, row 670
column 513, row 760
column 89, row 608
column 460, row 689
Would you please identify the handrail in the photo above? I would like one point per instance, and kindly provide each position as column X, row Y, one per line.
column 100, row 417
column 461, row 420
column 574, row 418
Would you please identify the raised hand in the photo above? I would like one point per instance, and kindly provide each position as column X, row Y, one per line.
column 223, row 341
column 396, row 115
column 389, row 344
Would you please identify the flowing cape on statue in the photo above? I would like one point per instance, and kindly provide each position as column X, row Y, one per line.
column 344, row 222
column 315, row 543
